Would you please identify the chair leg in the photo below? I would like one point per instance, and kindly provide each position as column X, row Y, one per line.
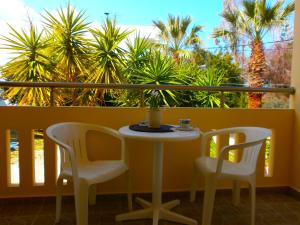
column 92, row 194
column 209, row 198
column 252, row 199
column 193, row 185
column 59, row 189
column 129, row 189
column 81, row 203
column 236, row 192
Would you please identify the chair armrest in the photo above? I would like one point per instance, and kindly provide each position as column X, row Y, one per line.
column 107, row 130
column 116, row 134
column 220, row 131
column 70, row 152
column 208, row 135
column 68, row 148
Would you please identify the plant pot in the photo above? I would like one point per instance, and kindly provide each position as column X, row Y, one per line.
column 154, row 117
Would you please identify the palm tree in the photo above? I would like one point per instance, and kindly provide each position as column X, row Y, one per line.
column 138, row 54
column 258, row 18
column 30, row 63
column 137, row 57
column 209, row 77
column 67, row 32
column 255, row 20
column 230, row 30
column 176, row 36
column 159, row 70
column 107, row 57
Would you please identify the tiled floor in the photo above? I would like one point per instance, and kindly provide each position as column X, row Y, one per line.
column 274, row 207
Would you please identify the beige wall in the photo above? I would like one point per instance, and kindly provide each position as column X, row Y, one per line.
column 296, row 99
column 178, row 156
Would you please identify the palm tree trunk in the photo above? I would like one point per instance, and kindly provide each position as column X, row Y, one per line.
column 256, row 69
column 176, row 57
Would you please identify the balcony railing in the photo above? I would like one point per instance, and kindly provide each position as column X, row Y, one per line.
column 142, row 87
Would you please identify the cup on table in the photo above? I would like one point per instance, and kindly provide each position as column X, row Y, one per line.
column 184, row 123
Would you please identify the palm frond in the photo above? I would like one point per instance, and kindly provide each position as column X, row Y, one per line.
column 69, row 43
column 288, row 10
column 259, row 17
column 158, row 70
column 107, row 55
column 31, row 63
column 249, row 8
column 177, row 35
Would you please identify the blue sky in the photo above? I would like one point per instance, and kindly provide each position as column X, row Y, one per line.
column 142, row 12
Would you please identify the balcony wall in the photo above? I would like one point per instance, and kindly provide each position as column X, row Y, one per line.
column 178, row 156
column 296, row 99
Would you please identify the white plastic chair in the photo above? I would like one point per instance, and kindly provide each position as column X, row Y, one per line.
column 75, row 165
column 220, row 168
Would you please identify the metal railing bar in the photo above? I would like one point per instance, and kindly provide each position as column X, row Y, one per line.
column 288, row 90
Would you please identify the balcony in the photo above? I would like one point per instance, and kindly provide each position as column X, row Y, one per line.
column 27, row 191
column 274, row 172
column 29, row 174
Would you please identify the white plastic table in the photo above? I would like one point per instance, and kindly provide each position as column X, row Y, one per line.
column 157, row 210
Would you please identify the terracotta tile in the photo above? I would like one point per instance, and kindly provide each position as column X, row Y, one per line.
column 272, row 208
column 44, row 220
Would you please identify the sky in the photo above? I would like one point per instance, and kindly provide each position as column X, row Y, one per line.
column 138, row 14
column 127, row 12
column 141, row 12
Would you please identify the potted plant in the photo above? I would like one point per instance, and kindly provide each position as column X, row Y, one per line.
column 154, row 113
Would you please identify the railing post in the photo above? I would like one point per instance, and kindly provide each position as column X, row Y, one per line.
column 222, row 100
column 292, row 101
column 51, row 96
column 142, row 98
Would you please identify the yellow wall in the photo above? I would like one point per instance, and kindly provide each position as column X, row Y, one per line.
column 178, row 156
column 296, row 99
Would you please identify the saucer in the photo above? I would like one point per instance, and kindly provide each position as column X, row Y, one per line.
column 190, row 128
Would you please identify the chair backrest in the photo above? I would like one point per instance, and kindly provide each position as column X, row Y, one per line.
column 254, row 134
column 71, row 136
column 254, row 139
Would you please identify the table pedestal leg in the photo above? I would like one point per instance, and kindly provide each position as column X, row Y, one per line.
column 168, row 205
column 157, row 210
column 158, row 156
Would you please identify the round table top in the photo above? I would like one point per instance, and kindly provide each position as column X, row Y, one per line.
column 177, row 135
